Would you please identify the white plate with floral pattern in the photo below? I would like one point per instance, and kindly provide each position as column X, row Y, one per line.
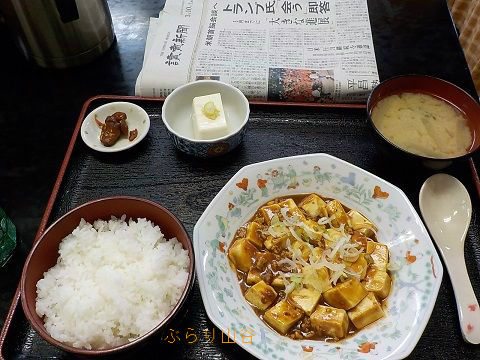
column 415, row 284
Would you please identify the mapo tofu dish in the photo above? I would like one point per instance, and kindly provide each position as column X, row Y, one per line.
column 311, row 268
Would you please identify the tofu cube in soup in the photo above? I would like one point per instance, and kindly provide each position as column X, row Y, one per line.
column 359, row 266
column 276, row 244
column 379, row 255
column 253, row 276
column 269, row 211
column 278, row 283
column 261, row 295
column 290, row 204
column 324, row 276
column 269, row 242
column 368, row 232
column 263, row 259
column 293, row 209
column 378, row 282
column 282, row 316
column 359, row 238
column 311, row 232
column 335, row 209
column 314, row 206
column 318, row 279
column 242, row 253
column 253, row 236
column 329, row 321
column 358, row 221
column 332, row 236
column 317, row 253
column 300, row 246
column 345, row 295
column 305, row 299
column 366, row 312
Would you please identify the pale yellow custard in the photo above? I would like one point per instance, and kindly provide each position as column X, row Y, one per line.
column 423, row 124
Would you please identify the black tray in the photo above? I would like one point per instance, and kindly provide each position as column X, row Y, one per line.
column 155, row 170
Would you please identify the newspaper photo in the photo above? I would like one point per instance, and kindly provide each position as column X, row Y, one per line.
column 276, row 50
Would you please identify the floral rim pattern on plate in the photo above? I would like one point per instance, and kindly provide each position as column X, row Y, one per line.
column 415, row 284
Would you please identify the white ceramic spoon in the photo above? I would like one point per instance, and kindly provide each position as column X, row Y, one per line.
column 447, row 211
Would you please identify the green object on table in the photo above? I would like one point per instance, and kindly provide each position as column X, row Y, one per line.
column 8, row 238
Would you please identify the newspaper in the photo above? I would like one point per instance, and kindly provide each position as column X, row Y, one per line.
column 276, row 50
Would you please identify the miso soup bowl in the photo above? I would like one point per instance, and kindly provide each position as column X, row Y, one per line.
column 435, row 87
column 44, row 255
column 177, row 112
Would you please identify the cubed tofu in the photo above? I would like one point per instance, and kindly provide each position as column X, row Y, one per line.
column 305, row 299
column 366, row 312
column 314, row 206
column 311, row 232
column 269, row 242
column 262, row 259
column 282, row 316
column 359, row 238
column 379, row 254
column 302, row 247
column 293, row 209
column 317, row 253
column 324, row 276
column 345, row 295
column 289, row 203
column 329, row 321
column 359, row 266
column 208, row 117
column 335, row 209
column 318, row 279
column 332, row 236
column 276, row 244
column 358, row 221
column 242, row 253
column 368, row 232
column 378, row 282
column 278, row 283
column 252, row 234
column 269, row 211
column 261, row 295
column 253, row 276
column 371, row 246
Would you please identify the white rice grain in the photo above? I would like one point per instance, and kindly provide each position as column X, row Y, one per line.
column 113, row 282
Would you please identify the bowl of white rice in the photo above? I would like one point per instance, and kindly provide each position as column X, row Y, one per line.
column 107, row 275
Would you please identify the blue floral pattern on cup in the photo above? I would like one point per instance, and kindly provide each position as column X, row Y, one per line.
column 207, row 149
